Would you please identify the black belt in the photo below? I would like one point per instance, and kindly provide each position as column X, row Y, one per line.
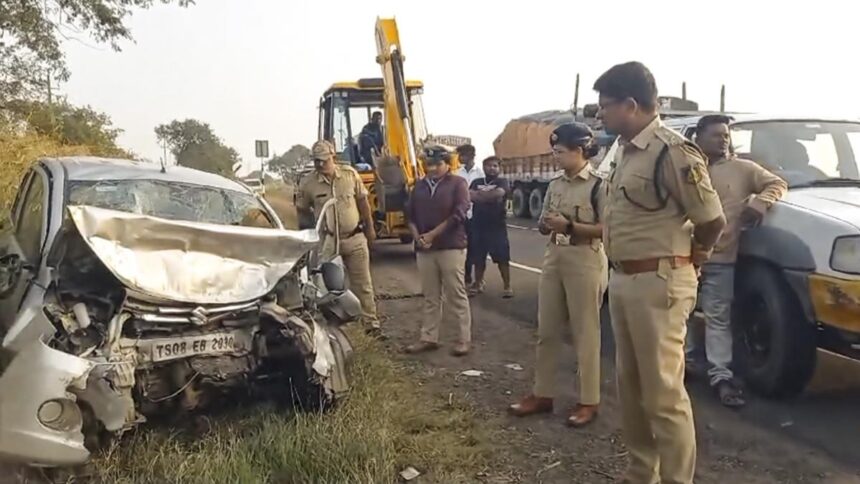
column 354, row 232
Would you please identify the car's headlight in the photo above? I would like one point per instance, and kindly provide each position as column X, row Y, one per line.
column 846, row 255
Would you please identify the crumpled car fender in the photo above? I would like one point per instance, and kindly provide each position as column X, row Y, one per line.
column 36, row 375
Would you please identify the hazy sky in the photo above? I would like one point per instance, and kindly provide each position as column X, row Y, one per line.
column 255, row 69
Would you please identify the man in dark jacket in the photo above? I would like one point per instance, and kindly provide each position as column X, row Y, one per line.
column 437, row 212
column 371, row 138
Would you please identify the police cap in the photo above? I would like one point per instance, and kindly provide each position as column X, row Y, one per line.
column 322, row 150
column 434, row 154
column 571, row 135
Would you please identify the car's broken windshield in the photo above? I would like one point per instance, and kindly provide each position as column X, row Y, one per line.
column 172, row 201
column 802, row 152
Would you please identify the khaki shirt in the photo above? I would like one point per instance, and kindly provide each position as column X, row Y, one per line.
column 315, row 190
column 571, row 197
column 741, row 183
column 636, row 226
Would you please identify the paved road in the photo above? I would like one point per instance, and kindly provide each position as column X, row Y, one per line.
column 824, row 418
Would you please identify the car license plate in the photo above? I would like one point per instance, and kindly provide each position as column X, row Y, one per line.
column 164, row 349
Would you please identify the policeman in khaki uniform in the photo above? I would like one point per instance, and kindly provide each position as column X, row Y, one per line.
column 662, row 219
column 351, row 219
column 574, row 276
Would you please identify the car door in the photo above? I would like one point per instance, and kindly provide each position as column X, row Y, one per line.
column 21, row 243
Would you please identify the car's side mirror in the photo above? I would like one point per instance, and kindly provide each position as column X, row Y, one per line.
column 333, row 276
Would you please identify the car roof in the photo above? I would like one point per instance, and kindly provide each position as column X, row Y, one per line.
column 749, row 118
column 88, row 168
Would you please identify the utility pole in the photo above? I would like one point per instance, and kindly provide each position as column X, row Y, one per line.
column 723, row 98
column 163, row 155
column 684, row 90
column 576, row 96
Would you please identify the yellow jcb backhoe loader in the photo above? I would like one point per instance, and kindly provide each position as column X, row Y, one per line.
column 392, row 170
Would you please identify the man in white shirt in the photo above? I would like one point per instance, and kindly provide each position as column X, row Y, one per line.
column 470, row 172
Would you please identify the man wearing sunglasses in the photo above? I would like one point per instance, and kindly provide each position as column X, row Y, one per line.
column 661, row 221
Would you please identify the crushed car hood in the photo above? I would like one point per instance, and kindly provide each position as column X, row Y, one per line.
column 188, row 262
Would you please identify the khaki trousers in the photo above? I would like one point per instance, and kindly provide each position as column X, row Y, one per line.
column 649, row 315
column 444, row 288
column 570, row 293
column 356, row 258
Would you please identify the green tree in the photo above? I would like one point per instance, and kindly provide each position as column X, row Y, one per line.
column 293, row 157
column 68, row 124
column 195, row 145
column 31, row 33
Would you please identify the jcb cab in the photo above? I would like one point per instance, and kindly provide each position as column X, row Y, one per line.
column 385, row 155
column 345, row 109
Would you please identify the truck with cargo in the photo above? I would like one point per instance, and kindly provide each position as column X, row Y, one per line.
column 526, row 156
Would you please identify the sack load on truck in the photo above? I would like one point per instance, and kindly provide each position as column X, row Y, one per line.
column 527, row 160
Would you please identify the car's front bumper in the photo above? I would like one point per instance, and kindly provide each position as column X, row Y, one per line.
column 836, row 303
column 39, row 374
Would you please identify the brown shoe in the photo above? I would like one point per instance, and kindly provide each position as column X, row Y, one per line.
column 531, row 405
column 421, row 347
column 582, row 415
column 462, row 349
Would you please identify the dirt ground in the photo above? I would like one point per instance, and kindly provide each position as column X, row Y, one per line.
column 541, row 449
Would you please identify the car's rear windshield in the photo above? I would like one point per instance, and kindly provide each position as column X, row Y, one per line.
column 172, row 201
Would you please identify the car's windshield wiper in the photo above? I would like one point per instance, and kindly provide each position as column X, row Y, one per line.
column 834, row 182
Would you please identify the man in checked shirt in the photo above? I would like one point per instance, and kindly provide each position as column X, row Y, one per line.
column 747, row 191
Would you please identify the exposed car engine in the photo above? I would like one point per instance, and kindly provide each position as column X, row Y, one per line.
column 129, row 357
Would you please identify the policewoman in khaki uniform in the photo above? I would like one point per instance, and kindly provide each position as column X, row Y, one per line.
column 574, row 276
column 351, row 220
column 662, row 218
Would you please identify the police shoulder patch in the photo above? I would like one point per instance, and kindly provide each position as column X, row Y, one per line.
column 695, row 173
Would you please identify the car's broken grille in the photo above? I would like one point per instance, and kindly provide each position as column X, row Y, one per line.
column 189, row 314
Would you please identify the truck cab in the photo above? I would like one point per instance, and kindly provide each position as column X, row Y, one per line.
column 797, row 284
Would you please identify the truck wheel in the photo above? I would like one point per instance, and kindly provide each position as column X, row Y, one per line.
column 536, row 202
column 774, row 344
column 520, row 203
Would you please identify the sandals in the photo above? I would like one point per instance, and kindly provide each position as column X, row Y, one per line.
column 729, row 394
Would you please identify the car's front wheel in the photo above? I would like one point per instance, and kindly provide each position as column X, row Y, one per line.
column 774, row 344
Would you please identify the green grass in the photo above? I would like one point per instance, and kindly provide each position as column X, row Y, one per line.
column 386, row 424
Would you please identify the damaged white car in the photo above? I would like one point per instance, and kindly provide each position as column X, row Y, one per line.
column 129, row 292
